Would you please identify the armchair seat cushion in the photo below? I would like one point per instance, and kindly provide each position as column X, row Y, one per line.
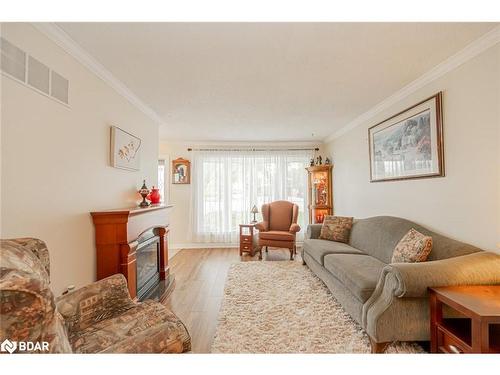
column 277, row 235
column 148, row 327
column 358, row 273
column 318, row 249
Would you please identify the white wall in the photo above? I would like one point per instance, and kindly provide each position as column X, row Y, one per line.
column 466, row 203
column 180, row 195
column 55, row 160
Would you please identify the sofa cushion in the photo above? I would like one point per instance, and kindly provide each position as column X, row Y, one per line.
column 413, row 247
column 378, row 236
column 317, row 249
column 276, row 235
column 149, row 327
column 336, row 228
column 358, row 273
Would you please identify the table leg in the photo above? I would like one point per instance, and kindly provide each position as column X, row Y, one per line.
column 436, row 316
column 480, row 336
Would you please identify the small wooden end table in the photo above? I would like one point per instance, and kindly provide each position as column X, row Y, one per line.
column 478, row 328
column 247, row 243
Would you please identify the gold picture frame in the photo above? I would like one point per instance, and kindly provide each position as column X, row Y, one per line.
column 409, row 145
column 181, row 171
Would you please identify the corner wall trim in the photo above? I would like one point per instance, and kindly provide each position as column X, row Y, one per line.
column 473, row 49
column 63, row 40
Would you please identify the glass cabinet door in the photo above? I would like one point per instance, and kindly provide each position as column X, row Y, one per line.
column 320, row 188
column 320, row 196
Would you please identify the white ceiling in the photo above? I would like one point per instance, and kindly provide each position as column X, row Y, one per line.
column 267, row 81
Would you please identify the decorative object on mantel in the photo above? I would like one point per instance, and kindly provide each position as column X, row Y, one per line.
column 409, row 144
column 181, row 171
column 327, row 161
column 125, row 150
column 254, row 211
column 144, row 193
column 311, row 163
column 319, row 160
column 154, row 196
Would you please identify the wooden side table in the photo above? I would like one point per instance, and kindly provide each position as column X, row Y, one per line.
column 478, row 328
column 247, row 243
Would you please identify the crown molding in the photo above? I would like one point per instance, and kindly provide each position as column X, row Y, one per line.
column 63, row 40
column 473, row 49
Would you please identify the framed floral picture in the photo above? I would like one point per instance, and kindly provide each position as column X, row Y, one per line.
column 181, row 171
column 125, row 150
column 409, row 144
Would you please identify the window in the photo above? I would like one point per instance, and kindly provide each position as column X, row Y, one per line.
column 226, row 184
column 161, row 179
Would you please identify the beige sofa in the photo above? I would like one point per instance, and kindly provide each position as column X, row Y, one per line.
column 390, row 300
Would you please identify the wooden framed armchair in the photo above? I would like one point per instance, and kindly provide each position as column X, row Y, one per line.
column 279, row 226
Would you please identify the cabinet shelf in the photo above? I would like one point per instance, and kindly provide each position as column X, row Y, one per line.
column 459, row 328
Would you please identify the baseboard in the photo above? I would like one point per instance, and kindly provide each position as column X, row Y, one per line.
column 208, row 245
column 201, row 245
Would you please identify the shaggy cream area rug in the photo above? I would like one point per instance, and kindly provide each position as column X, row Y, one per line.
column 282, row 307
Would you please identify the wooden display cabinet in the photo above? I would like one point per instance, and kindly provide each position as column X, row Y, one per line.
column 320, row 192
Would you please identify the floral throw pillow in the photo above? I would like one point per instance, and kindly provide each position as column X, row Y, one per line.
column 413, row 247
column 336, row 228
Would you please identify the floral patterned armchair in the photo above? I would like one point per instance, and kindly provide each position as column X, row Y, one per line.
column 98, row 318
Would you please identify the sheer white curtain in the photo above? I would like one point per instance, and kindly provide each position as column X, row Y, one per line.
column 226, row 184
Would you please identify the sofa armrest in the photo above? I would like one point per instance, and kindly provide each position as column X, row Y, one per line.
column 399, row 281
column 313, row 231
column 413, row 279
column 263, row 226
column 95, row 302
column 294, row 228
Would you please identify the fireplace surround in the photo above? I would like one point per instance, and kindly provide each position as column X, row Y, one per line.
column 133, row 242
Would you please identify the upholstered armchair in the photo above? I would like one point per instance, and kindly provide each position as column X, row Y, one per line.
column 279, row 226
column 98, row 318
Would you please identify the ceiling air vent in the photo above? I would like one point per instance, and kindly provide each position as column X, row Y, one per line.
column 59, row 87
column 38, row 75
column 13, row 60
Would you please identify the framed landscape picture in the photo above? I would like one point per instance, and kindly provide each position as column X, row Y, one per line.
column 409, row 144
column 181, row 171
column 125, row 150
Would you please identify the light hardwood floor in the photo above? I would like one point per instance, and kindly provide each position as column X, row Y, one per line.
column 200, row 276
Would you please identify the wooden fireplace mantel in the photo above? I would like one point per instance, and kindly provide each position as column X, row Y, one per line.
column 118, row 233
